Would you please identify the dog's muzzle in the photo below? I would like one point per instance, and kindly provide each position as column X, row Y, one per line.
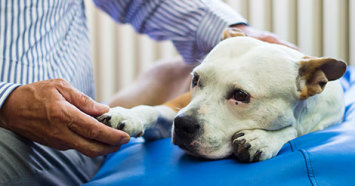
column 186, row 130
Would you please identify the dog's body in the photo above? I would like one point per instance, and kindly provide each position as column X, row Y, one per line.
column 248, row 98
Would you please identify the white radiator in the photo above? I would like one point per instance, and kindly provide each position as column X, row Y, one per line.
column 318, row 27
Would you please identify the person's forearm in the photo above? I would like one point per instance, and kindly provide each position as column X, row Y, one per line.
column 164, row 81
column 194, row 26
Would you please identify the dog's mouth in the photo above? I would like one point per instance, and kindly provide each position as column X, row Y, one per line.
column 189, row 146
column 194, row 148
column 201, row 148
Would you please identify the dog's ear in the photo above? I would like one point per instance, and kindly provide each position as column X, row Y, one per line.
column 314, row 73
column 232, row 32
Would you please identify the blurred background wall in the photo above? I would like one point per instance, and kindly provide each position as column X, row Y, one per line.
column 318, row 27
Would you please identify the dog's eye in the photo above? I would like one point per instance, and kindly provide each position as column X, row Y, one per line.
column 195, row 80
column 240, row 95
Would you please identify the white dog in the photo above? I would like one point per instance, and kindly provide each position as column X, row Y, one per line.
column 248, row 99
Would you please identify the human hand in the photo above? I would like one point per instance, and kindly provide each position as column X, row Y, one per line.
column 55, row 114
column 263, row 35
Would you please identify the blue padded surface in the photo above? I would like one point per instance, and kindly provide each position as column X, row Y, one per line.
column 324, row 157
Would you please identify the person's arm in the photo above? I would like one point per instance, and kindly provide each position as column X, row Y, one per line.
column 55, row 114
column 194, row 26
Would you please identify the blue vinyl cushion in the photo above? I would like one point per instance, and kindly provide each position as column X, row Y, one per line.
column 325, row 157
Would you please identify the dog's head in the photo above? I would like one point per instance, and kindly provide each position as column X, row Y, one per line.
column 245, row 83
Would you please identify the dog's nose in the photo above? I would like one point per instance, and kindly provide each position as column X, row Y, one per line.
column 186, row 125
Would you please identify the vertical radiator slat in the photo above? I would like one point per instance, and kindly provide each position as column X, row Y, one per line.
column 146, row 52
column 284, row 19
column 260, row 14
column 105, row 47
column 166, row 50
column 127, row 67
column 335, row 28
column 242, row 6
column 101, row 31
column 309, row 32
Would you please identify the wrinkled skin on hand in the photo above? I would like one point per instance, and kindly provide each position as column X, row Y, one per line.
column 55, row 114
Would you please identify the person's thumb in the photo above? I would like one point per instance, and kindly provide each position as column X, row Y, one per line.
column 87, row 105
column 82, row 101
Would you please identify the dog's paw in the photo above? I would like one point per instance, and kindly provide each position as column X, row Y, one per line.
column 127, row 120
column 254, row 145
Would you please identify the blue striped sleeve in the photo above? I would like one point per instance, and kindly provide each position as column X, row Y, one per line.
column 194, row 26
column 40, row 40
column 5, row 91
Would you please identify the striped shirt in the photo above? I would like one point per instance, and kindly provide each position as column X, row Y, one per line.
column 46, row 39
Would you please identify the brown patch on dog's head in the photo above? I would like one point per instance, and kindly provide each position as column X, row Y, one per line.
column 232, row 32
column 314, row 73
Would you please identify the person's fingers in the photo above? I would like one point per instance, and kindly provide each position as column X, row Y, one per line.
column 272, row 38
column 80, row 100
column 264, row 36
column 89, row 147
column 288, row 44
column 90, row 128
column 232, row 32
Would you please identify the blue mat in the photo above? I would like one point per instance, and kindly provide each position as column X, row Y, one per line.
column 324, row 157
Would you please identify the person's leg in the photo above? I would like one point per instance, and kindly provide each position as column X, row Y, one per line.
column 23, row 162
column 164, row 81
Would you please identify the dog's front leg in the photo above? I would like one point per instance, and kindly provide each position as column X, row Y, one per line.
column 137, row 120
column 156, row 121
column 256, row 144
